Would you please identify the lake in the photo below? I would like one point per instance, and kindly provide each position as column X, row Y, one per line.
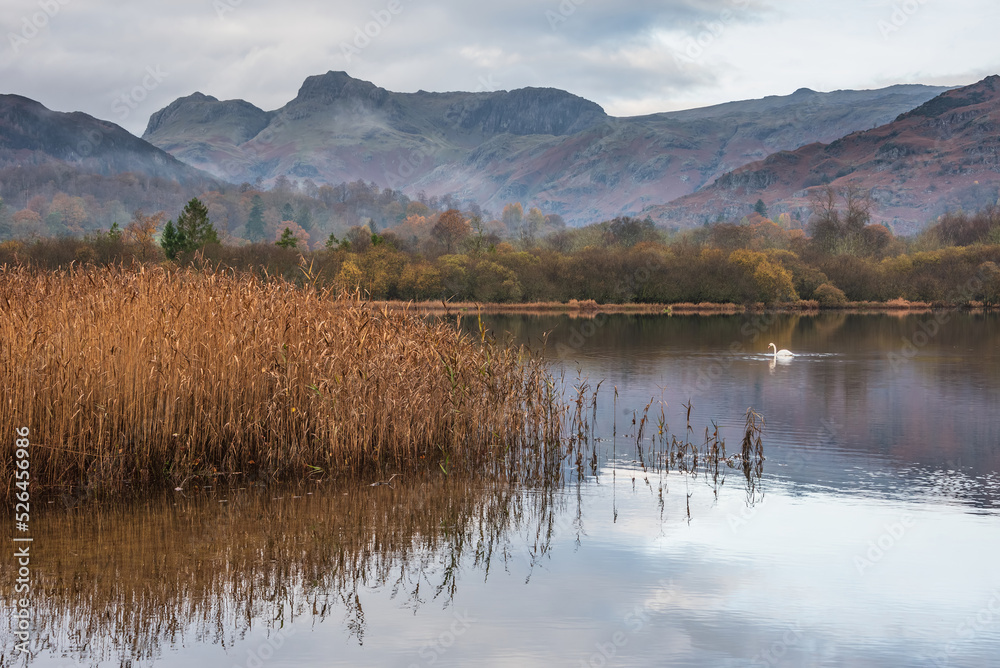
column 871, row 539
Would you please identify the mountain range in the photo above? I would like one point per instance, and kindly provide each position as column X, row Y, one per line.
column 540, row 146
column 941, row 155
column 920, row 149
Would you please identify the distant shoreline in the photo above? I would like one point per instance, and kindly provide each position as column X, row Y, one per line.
column 590, row 308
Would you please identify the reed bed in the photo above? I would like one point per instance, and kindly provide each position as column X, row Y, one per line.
column 154, row 376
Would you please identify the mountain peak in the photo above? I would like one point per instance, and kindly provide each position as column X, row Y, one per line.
column 200, row 109
column 329, row 87
column 78, row 139
column 529, row 111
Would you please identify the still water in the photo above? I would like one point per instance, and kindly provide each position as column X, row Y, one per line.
column 872, row 541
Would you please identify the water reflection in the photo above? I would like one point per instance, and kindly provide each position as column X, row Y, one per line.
column 878, row 386
column 125, row 579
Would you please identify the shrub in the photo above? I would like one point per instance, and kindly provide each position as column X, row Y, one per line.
column 829, row 296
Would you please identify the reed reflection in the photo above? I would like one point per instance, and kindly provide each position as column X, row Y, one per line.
column 127, row 579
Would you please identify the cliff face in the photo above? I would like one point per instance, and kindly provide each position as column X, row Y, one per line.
column 528, row 111
column 235, row 120
column 941, row 155
column 541, row 146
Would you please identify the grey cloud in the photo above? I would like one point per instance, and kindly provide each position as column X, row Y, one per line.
column 95, row 51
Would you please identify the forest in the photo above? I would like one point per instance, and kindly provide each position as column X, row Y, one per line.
column 357, row 236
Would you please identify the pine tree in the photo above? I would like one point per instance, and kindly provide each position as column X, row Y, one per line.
column 172, row 242
column 255, row 224
column 287, row 212
column 760, row 208
column 287, row 240
column 192, row 231
column 196, row 227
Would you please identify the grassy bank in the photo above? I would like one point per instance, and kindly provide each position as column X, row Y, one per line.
column 151, row 377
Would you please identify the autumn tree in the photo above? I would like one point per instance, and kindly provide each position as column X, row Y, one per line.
column 359, row 239
column 451, row 229
column 27, row 223
column 627, row 231
column 837, row 229
column 532, row 225
column 554, row 222
column 66, row 214
column 760, row 279
column 291, row 230
column 141, row 230
column 990, row 292
column 512, row 216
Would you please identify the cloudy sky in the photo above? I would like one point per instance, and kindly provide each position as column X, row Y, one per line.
column 122, row 60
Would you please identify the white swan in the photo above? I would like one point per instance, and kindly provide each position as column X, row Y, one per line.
column 780, row 353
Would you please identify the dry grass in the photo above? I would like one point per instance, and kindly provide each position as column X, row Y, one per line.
column 155, row 376
column 898, row 304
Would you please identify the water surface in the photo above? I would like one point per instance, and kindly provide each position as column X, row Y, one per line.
column 872, row 543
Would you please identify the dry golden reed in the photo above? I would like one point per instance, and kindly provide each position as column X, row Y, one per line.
column 152, row 375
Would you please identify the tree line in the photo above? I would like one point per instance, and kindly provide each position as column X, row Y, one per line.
column 458, row 254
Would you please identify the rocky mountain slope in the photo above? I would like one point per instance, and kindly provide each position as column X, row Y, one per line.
column 941, row 155
column 32, row 135
column 542, row 147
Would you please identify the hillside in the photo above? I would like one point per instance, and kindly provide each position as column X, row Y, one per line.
column 31, row 134
column 542, row 147
column 941, row 155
